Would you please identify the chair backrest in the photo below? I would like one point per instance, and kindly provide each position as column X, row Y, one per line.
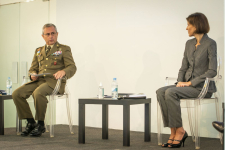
column 207, row 81
column 25, row 79
column 170, row 79
column 219, row 76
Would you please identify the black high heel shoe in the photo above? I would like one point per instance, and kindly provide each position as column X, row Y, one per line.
column 181, row 141
column 166, row 144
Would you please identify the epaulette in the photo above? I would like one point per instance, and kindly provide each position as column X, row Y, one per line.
column 64, row 45
column 39, row 48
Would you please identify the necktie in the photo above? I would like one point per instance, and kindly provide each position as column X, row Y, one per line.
column 48, row 49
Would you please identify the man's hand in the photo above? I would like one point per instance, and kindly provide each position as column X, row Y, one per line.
column 34, row 78
column 183, row 84
column 59, row 74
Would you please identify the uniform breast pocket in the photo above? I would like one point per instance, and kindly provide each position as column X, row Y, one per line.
column 56, row 60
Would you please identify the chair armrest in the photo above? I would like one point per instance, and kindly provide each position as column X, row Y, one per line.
column 57, row 86
column 205, row 87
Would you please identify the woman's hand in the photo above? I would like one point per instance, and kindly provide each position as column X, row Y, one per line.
column 183, row 84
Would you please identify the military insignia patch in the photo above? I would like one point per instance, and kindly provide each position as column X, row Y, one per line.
column 57, row 53
column 39, row 52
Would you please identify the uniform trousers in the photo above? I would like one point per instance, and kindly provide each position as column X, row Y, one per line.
column 169, row 101
column 39, row 90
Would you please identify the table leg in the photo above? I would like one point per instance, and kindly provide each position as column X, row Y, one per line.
column 126, row 125
column 147, row 122
column 2, row 117
column 104, row 121
column 81, row 130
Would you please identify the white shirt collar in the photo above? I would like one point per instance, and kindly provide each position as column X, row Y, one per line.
column 50, row 45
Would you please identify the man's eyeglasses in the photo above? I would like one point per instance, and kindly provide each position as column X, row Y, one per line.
column 48, row 34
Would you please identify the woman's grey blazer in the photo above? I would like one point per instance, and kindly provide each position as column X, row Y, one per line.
column 200, row 63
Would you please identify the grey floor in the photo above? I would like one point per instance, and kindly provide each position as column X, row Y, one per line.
column 63, row 140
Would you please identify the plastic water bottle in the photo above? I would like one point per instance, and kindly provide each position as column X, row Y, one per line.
column 114, row 88
column 100, row 91
column 9, row 86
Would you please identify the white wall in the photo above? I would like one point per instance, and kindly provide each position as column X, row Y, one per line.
column 137, row 41
column 6, row 2
column 224, row 80
column 31, row 23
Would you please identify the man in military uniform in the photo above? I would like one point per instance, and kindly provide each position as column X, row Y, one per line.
column 56, row 60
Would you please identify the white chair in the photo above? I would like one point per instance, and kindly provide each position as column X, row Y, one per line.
column 194, row 103
column 51, row 107
column 50, row 113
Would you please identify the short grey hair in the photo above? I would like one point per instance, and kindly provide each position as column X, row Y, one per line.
column 48, row 25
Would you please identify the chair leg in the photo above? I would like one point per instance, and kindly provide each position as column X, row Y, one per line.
column 159, row 125
column 18, row 125
column 46, row 128
column 218, row 117
column 52, row 114
column 47, row 118
column 197, row 123
column 69, row 114
column 190, row 118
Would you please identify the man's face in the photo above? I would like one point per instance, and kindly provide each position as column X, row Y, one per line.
column 50, row 35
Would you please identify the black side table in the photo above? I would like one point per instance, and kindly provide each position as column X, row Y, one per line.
column 18, row 122
column 2, row 98
column 126, row 117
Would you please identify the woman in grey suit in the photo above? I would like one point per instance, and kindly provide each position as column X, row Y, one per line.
column 199, row 62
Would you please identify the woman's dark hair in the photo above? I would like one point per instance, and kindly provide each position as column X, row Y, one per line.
column 200, row 22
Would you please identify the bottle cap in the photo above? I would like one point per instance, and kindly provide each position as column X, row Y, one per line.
column 8, row 78
column 100, row 84
column 114, row 78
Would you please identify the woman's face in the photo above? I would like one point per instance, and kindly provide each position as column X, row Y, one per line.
column 191, row 29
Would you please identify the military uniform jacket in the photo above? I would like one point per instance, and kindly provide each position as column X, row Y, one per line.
column 58, row 58
column 200, row 63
